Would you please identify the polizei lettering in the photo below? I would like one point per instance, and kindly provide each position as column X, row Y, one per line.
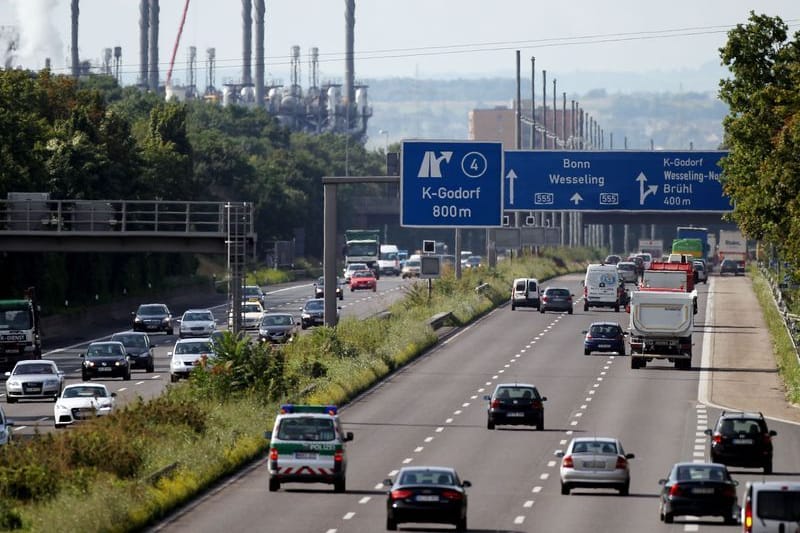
column 443, row 193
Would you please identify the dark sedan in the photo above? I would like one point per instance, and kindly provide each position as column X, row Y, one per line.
column 139, row 349
column 427, row 494
column 319, row 288
column 556, row 299
column 105, row 359
column 153, row 317
column 604, row 337
column 277, row 328
column 728, row 266
column 698, row 489
column 515, row 404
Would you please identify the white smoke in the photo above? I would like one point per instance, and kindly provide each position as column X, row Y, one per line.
column 39, row 37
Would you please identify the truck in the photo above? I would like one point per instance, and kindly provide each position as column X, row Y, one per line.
column 693, row 232
column 389, row 261
column 661, row 325
column 20, row 330
column 654, row 247
column 666, row 276
column 363, row 246
column 694, row 247
column 732, row 245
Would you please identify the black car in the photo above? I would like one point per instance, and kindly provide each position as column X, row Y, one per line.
column 612, row 259
column 153, row 317
column 105, row 359
column 312, row 313
column 698, row 489
column 319, row 288
column 742, row 439
column 277, row 328
column 431, row 494
column 556, row 299
column 604, row 337
column 515, row 404
column 139, row 349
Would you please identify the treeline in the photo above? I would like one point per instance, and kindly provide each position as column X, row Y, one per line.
column 92, row 139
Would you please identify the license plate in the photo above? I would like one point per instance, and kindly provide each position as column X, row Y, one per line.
column 593, row 464
column 604, row 345
column 305, row 455
column 742, row 441
column 703, row 490
column 516, row 415
column 104, row 369
column 427, row 498
column 33, row 389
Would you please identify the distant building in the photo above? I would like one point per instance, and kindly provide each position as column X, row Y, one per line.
column 499, row 124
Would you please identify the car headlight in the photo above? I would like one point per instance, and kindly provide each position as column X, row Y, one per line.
column 305, row 315
column 51, row 382
column 120, row 363
column 89, row 363
column 59, row 407
column 165, row 320
column 13, row 383
column 137, row 319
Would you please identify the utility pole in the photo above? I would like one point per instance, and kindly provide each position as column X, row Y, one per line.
column 533, row 102
column 544, row 110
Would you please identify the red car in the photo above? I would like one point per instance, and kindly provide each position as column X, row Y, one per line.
column 363, row 279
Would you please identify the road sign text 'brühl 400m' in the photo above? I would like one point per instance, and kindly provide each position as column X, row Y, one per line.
column 451, row 184
column 622, row 180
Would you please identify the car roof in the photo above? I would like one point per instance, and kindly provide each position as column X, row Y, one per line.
column 774, row 485
column 84, row 384
column 192, row 340
column 426, row 467
column 558, row 288
column 626, row 263
column 103, row 343
column 35, row 361
column 595, row 439
column 197, row 311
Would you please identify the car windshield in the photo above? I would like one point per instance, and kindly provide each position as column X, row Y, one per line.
column 34, row 368
column 198, row 317
column 307, row 428
column 413, row 263
column 193, row 347
column 15, row 319
column 362, row 274
column 626, row 266
column 314, row 305
column 151, row 310
column 737, row 426
column 557, row 292
column 253, row 308
column 277, row 320
column 389, row 256
column 85, row 391
column 517, row 393
column 353, row 267
column 595, row 447
column 104, row 350
column 427, row 477
column 701, row 473
column 133, row 341
column 605, row 330
column 782, row 505
column 252, row 291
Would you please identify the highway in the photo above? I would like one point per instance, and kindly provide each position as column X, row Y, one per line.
column 431, row 413
column 31, row 416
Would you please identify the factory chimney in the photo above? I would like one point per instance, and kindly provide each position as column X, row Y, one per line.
column 349, row 74
column 247, row 41
column 259, row 81
column 153, row 45
column 76, row 67
column 144, row 31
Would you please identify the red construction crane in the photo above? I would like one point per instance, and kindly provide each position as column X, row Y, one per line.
column 177, row 42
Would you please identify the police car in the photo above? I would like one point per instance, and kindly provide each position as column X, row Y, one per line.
column 307, row 445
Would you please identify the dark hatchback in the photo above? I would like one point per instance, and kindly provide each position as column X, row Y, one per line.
column 742, row 439
column 427, row 494
column 604, row 337
column 556, row 299
column 277, row 328
column 139, row 349
column 516, row 404
column 153, row 317
column 319, row 288
column 105, row 360
column 698, row 489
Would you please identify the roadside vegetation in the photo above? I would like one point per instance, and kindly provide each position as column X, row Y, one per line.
column 125, row 471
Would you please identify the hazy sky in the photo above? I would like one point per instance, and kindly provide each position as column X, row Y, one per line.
column 424, row 38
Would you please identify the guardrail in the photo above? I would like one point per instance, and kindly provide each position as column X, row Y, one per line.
column 127, row 217
column 791, row 321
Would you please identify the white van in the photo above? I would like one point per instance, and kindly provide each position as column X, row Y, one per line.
column 601, row 287
column 525, row 293
column 771, row 506
column 389, row 260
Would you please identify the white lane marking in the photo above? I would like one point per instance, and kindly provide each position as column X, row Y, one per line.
column 562, row 442
column 418, row 449
column 570, row 432
column 348, row 516
column 457, row 412
column 488, row 383
column 573, row 423
column 473, row 397
column 602, row 373
column 517, row 355
column 439, row 429
column 583, row 406
column 364, row 500
column 551, row 464
column 379, row 486
column 699, row 460
column 701, row 428
column 19, row 428
column 691, row 527
column 596, row 385
column 578, row 414
column 544, row 476
column 407, row 460
column 494, row 377
column 522, row 351
column 122, row 389
column 139, row 382
column 605, row 367
column 537, row 490
column 393, row 473
column 465, row 404
column 591, row 392
column 700, row 434
column 481, row 389
column 700, row 447
column 331, row 531
column 588, row 399
column 500, row 371
column 520, row 519
column 157, row 376
column 698, row 454
column 528, row 504
column 611, row 357
column 506, row 365
column 428, row 439
column 599, row 379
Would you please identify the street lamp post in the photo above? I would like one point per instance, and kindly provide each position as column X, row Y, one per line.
column 385, row 140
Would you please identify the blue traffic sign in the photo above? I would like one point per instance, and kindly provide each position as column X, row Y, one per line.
column 456, row 184
column 614, row 181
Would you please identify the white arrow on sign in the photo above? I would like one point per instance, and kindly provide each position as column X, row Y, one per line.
column 651, row 189
column 576, row 198
column 511, row 176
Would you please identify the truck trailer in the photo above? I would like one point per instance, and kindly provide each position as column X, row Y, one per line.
column 661, row 324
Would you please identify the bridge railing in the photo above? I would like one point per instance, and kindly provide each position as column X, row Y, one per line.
column 131, row 217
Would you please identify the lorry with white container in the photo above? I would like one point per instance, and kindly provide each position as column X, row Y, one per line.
column 654, row 247
column 732, row 245
column 363, row 246
column 20, row 330
column 661, row 325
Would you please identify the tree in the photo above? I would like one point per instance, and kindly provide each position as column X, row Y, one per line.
column 762, row 131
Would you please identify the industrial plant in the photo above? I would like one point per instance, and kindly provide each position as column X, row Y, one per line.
column 319, row 108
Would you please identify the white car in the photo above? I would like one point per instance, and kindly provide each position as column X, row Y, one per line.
column 598, row 462
column 5, row 428
column 197, row 323
column 188, row 354
column 34, row 379
column 83, row 401
column 352, row 267
column 251, row 315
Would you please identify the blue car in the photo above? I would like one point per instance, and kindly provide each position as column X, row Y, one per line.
column 604, row 337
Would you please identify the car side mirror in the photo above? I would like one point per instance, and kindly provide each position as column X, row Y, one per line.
column 630, row 456
column 584, row 332
column 82, row 355
column 487, row 397
column 348, row 436
column 8, row 374
column 387, row 482
column 735, row 483
column 662, row 481
column 544, row 398
column 169, row 354
column 133, row 313
column 466, row 483
column 772, row 433
column 113, row 394
column 707, row 432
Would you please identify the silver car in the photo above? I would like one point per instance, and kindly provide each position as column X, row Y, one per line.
column 598, row 462
column 627, row 271
column 34, row 379
column 197, row 323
